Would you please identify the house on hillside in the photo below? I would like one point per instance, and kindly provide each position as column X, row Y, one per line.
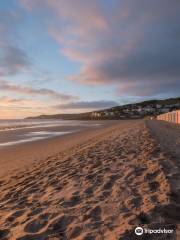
column 158, row 106
column 95, row 114
column 126, row 110
column 149, row 109
column 165, row 110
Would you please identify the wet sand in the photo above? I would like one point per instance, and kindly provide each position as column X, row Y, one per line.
column 99, row 187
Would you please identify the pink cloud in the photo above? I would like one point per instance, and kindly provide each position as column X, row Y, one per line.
column 7, row 100
column 85, row 105
column 4, row 85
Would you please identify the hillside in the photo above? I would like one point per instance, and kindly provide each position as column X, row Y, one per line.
column 128, row 111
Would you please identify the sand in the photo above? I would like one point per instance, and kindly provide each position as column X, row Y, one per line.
column 101, row 188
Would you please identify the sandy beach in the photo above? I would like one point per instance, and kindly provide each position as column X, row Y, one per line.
column 15, row 157
column 95, row 184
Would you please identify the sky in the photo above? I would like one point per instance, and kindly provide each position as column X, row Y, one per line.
column 69, row 56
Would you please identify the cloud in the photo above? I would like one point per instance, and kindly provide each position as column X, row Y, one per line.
column 8, row 100
column 132, row 44
column 85, row 105
column 13, row 60
column 12, row 108
column 4, row 85
column 90, row 10
column 8, row 22
column 146, row 60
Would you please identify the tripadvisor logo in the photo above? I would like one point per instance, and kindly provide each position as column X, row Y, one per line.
column 139, row 231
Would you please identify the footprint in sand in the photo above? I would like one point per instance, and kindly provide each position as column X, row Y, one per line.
column 154, row 199
column 75, row 232
column 138, row 171
column 74, row 200
column 94, row 215
column 35, row 211
column 15, row 215
column 4, row 233
column 143, row 218
column 104, row 195
column 1, row 183
column 151, row 176
column 90, row 177
column 60, row 224
column 135, row 202
column 109, row 184
column 34, row 237
column 89, row 237
column 154, row 186
column 37, row 224
column 88, row 192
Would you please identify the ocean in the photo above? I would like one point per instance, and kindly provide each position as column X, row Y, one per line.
column 13, row 132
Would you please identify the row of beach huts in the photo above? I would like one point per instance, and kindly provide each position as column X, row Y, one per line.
column 173, row 117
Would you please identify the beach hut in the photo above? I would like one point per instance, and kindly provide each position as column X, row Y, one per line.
column 173, row 117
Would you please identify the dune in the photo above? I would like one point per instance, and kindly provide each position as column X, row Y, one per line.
column 101, row 188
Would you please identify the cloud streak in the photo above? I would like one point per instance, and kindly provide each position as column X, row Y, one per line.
column 85, row 105
column 13, row 60
column 8, row 100
column 4, row 85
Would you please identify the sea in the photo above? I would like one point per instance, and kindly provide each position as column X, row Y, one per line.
column 13, row 132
